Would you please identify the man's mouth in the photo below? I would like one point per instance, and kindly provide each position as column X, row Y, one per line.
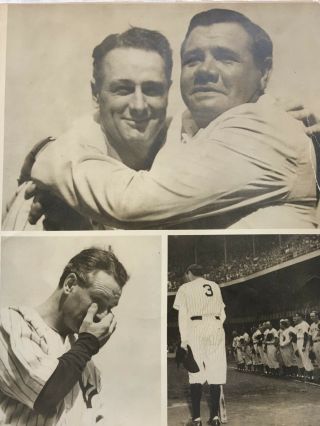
column 206, row 88
column 137, row 120
column 138, row 124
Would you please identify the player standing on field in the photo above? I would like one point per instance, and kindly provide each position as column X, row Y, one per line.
column 256, row 339
column 287, row 349
column 271, row 343
column 201, row 318
column 315, row 335
column 303, row 344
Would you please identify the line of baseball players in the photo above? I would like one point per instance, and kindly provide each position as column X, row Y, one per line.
column 291, row 351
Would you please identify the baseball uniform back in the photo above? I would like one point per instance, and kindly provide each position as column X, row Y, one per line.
column 200, row 303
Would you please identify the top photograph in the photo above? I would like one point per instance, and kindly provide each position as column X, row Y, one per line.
column 162, row 116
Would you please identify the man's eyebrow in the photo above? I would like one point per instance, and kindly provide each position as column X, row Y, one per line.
column 127, row 82
column 123, row 81
column 220, row 50
column 195, row 51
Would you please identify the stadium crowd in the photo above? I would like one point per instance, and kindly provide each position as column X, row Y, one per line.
column 243, row 265
column 291, row 350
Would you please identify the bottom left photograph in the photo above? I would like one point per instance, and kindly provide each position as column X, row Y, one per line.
column 76, row 313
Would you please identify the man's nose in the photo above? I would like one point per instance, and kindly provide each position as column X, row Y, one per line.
column 138, row 104
column 207, row 70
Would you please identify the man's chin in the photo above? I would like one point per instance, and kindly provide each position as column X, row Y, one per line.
column 140, row 143
column 140, row 138
column 206, row 114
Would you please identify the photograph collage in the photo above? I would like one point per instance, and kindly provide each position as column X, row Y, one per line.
column 160, row 213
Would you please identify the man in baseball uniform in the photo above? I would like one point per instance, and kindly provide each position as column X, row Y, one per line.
column 287, row 349
column 47, row 376
column 315, row 335
column 271, row 342
column 238, row 354
column 247, row 348
column 257, row 337
column 299, row 371
column 201, row 318
column 303, row 344
column 260, row 344
column 241, row 347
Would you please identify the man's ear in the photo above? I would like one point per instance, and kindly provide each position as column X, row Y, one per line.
column 266, row 73
column 94, row 91
column 69, row 283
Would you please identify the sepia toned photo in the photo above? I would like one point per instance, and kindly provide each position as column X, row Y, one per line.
column 243, row 330
column 77, row 344
column 161, row 116
column 159, row 191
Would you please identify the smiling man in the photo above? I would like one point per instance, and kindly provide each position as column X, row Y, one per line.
column 47, row 375
column 244, row 163
column 130, row 85
column 131, row 79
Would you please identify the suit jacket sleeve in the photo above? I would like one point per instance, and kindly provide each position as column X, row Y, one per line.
column 246, row 157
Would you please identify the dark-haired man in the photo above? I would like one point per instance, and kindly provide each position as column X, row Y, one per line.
column 315, row 335
column 130, row 85
column 47, row 375
column 244, row 163
column 286, row 348
column 302, row 329
column 201, row 318
column 271, row 341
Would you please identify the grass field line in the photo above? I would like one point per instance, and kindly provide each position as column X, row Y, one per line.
column 178, row 404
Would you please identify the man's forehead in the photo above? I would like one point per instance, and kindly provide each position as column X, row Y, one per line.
column 126, row 63
column 223, row 34
column 103, row 283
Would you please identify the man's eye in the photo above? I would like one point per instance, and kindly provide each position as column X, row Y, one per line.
column 227, row 60
column 153, row 89
column 123, row 90
column 191, row 61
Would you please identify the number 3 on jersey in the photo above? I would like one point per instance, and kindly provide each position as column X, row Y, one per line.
column 208, row 291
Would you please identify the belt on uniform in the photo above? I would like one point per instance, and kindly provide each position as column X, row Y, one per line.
column 199, row 317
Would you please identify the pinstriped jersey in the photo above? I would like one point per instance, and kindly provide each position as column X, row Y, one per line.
column 200, row 297
column 29, row 352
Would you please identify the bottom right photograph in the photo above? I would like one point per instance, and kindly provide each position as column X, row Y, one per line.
column 243, row 330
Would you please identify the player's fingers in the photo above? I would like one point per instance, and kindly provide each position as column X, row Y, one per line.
column 113, row 326
column 107, row 320
column 35, row 213
column 313, row 130
column 91, row 312
column 304, row 115
column 30, row 190
column 299, row 114
column 101, row 315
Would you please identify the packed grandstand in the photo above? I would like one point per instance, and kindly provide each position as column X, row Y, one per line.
column 229, row 258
